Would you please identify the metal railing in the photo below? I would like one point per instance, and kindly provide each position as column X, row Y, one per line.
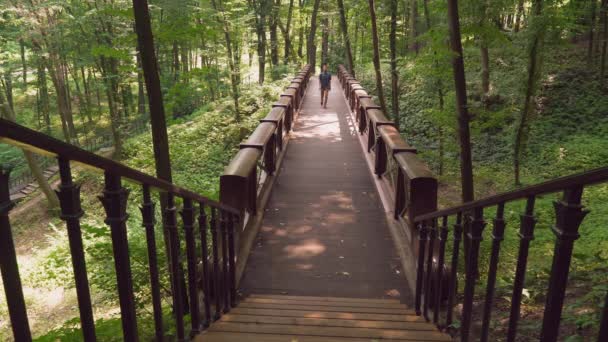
column 569, row 214
column 199, row 215
column 137, row 126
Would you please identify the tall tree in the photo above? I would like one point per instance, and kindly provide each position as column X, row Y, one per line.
column 414, row 45
column 234, row 71
column 394, row 71
column 376, row 45
column 604, row 15
column 345, row 36
column 311, row 45
column 534, row 72
column 460, row 85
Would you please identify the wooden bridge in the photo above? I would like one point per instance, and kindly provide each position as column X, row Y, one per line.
column 327, row 229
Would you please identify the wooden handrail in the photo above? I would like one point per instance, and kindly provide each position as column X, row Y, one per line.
column 591, row 177
column 23, row 137
column 236, row 187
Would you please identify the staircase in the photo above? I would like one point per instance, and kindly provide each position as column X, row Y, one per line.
column 282, row 318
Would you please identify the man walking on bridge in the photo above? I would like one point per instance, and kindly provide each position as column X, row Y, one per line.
column 325, row 79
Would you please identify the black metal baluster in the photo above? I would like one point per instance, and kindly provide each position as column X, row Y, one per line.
column 148, row 222
column 225, row 275
column 443, row 235
column 202, row 224
column 428, row 283
column 569, row 214
column 9, row 267
column 422, row 239
column 114, row 200
column 603, row 335
column 474, row 236
column 497, row 237
column 216, row 265
column 232, row 224
column 187, row 214
column 171, row 228
column 454, row 268
column 526, row 234
column 71, row 212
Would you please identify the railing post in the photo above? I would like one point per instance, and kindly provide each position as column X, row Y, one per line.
column 114, row 200
column 232, row 225
column 428, row 283
column 202, row 224
column 422, row 239
column 497, row 237
column 569, row 214
column 216, row 265
column 71, row 212
column 225, row 275
column 8, row 265
column 171, row 228
column 457, row 237
column 474, row 237
column 443, row 237
column 603, row 335
column 148, row 222
column 526, row 234
column 187, row 214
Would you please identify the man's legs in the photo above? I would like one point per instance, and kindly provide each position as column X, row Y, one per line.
column 324, row 95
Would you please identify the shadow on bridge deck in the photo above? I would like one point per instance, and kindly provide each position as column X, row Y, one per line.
column 324, row 231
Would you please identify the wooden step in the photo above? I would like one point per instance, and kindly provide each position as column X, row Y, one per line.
column 328, row 332
column 326, row 299
column 274, row 318
column 210, row 336
column 287, row 312
column 303, row 307
column 353, row 304
column 327, row 322
column 239, row 337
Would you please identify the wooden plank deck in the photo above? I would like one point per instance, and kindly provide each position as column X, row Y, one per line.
column 324, row 231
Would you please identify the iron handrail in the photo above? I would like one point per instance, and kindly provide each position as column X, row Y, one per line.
column 591, row 177
column 40, row 143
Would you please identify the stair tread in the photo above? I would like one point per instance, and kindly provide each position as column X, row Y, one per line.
column 327, row 322
column 329, row 299
column 288, row 312
column 304, row 301
column 340, row 308
column 419, row 335
column 210, row 336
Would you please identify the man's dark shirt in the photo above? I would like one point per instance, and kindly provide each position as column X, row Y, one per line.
column 325, row 78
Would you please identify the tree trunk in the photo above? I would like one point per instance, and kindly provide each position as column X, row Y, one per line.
column 311, row 47
column 377, row 66
column 43, row 98
column 23, row 63
column 61, row 95
column 287, row 34
column 460, row 85
column 324, row 36
column 394, row 72
column 234, row 73
column 344, row 27
column 259, row 9
column 518, row 15
column 591, row 32
column 301, row 31
column 274, row 38
column 8, row 88
column 604, row 42
column 414, row 26
column 534, row 71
